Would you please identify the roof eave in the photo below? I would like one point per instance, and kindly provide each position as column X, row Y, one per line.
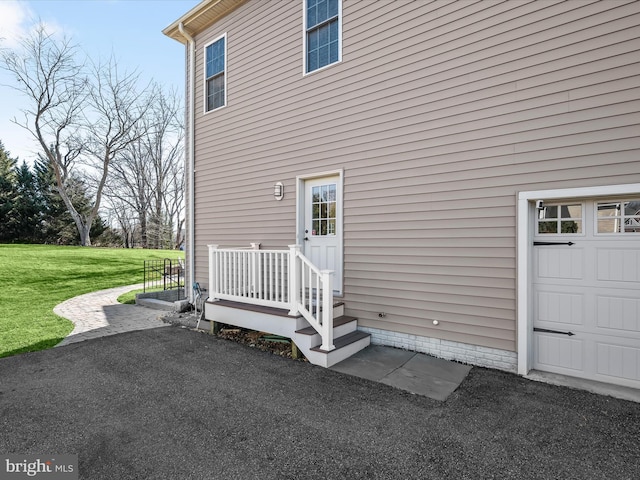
column 200, row 17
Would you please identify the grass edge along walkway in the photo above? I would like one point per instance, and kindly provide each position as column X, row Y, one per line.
column 39, row 277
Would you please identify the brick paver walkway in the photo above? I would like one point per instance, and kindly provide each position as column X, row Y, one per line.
column 99, row 314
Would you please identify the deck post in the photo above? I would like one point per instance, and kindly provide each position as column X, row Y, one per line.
column 213, row 288
column 254, row 269
column 214, row 327
column 294, row 250
column 295, row 351
column 327, row 310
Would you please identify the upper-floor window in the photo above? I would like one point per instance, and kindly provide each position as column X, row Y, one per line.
column 215, row 74
column 322, row 31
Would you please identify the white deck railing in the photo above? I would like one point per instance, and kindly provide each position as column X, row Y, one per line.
column 275, row 278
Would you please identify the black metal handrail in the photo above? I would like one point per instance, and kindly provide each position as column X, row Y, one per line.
column 166, row 274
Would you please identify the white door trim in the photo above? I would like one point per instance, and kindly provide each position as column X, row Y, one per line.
column 300, row 210
column 525, row 211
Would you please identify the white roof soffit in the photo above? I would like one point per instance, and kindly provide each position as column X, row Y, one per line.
column 200, row 17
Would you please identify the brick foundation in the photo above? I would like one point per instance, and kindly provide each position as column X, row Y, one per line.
column 460, row 352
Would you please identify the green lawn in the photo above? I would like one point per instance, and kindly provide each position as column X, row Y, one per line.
column 38, row 277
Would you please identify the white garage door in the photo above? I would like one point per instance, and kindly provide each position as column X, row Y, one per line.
column 586, row 290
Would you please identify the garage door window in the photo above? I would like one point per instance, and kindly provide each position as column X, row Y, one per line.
column 556, row 219
column 619, row 217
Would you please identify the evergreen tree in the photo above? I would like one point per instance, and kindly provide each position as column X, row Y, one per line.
column 26, row 215
column 7, row 192
column 57, row 225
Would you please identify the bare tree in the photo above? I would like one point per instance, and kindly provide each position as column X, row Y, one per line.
column 47, row 72
column 129, row 194
column 164, row 146
column 125, row 224
column 114, row 121
column 174, row 201
column 82, row 122
column 149, row 174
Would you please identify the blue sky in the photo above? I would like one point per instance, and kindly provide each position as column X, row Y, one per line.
column 130, row 29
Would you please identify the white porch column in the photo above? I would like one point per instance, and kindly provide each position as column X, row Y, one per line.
column 327, row 310
column 293, row 279
column 213, row 288
column 254, row 262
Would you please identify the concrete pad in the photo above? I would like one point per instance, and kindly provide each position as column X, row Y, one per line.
column 155, row 304
column 421, row 384
column 374, row 362
column 437, row 367
column 414, row 372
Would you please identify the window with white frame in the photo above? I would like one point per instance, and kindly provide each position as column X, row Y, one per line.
column 215, row 74
column 323, row 210
column 621, row 216
column 322, row 32
column 560, row 219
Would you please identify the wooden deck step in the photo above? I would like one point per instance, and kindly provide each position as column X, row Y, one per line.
column 282, row 312
column 344, row 341
column 347, row 339
column 336, row 323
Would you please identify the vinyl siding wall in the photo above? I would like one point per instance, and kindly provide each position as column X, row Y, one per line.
column 439, row 113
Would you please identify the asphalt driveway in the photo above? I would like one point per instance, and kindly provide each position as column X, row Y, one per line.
column 176, row 404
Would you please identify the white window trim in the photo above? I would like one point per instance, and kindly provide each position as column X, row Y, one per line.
column 525, row 209
column 204, row 73
column 304, row 40
column 583, row 207
column 595, row 218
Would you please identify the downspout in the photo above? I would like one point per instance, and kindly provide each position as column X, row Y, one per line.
column 191, row 163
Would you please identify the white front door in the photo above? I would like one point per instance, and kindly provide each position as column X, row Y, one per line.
column 586, row 290
column 323, row 225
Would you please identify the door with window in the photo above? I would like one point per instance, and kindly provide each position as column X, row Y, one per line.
column 586, row 290
column 323, row 226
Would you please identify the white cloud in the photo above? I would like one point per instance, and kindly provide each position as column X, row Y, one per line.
column 15, row 18
column 52, row 27
column 18, row 20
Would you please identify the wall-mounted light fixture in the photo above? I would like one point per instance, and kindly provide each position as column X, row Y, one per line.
column 540, row 208
column 278, row 191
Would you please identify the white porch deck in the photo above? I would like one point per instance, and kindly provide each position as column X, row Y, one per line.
column 282, row 292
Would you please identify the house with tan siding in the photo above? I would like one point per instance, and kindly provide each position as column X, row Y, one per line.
column 459, row 178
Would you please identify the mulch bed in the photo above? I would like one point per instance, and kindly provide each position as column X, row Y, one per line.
column 260, row 340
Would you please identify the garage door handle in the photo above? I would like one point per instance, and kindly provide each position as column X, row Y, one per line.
column 571, row 334
column 553, row 243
